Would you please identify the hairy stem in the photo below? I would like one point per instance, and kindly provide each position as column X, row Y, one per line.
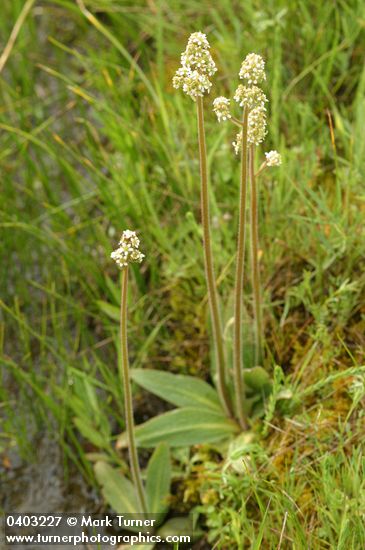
column 255, row 258
column 240, row 271
column 128, row 405
column 208, row 261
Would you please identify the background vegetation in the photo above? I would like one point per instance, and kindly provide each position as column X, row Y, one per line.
column 94, row 140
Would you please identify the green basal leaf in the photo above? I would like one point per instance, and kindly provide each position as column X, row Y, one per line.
column 183, row 427
column 178, row 389
column 117, row 490
column 159, row 480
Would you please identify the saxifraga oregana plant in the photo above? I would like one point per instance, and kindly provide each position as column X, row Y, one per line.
column 197, row 66
column 252, row 132
column 126, row 253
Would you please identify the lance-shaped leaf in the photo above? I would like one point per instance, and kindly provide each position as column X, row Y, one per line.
column 117, row 490
column 183, row 427
column 159, row 480
column 178, row 389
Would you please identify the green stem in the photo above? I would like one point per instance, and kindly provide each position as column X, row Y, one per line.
column 208, row 261
column 128, row 405
column 261, row 169
column 255, row 258
column 236, row 121
column 240, row 271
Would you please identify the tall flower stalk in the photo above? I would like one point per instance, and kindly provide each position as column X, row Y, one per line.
column 256, row 286
column 254, row 99
column 273, row 158
column 239, row 280
column 252, row 133
column 127, row 252
column 197, row 66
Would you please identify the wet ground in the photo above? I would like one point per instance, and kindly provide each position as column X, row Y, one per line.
column 39, row 486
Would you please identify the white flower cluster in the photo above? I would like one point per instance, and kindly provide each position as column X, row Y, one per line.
column 193, row 83
column 250, row 97
column 253, row 69
column 253, row 98
column 256, row 129
column 221, row 108
column 197, row 56
column 128, row 250
column 197, row 66
column 273, row 158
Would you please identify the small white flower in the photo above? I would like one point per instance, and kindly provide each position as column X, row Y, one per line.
column 128, row 250
column 221, row 108
column 273, row 158
column 253, row 69
column 250, row 97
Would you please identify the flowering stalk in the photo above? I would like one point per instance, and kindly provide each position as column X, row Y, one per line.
column 208, row 261
column 128, row 252
column 253, row 99
column 273, row 158
column 238, row 294
column 253, row 129
column 133, row 455
column 256, row 286
column 197, row 66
